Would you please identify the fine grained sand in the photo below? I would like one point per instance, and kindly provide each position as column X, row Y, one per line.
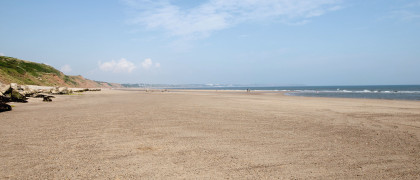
column 209, row 135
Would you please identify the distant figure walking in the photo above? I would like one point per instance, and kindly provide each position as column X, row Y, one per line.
column 248, row 90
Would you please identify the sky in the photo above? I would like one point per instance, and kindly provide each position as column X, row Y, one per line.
column 272, row 42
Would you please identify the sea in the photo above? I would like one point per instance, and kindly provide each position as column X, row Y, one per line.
column 393, row 92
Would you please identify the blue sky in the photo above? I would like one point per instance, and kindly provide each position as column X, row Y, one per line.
column 278, row 42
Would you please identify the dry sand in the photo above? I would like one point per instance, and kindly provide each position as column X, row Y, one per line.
column 209, row 135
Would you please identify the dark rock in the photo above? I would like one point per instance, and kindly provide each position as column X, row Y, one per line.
column 18, row 97
column 15, row 96
column 47, row 98
column 5, row 107
column 39, row 95
column 2, row 99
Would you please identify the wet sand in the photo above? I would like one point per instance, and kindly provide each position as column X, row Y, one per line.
column 209, row 135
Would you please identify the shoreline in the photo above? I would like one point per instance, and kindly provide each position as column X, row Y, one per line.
column 282, row 92
column 403, row 92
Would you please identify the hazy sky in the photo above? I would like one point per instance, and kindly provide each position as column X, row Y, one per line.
column 312, row 42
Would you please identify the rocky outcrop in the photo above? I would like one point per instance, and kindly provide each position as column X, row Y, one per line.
column 4, row 88
column 85, row 89
column 14, row 92
column 61, row 90
column 3, row 101
column 11, row 93
column 17, row 96
column 27, row 91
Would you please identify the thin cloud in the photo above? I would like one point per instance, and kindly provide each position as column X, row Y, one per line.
column 66, row 68
column 405, row 15
column 120, row 66
column 407, row 12
column 1, row 54
column 215, row 15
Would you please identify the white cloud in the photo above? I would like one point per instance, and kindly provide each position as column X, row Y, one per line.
column 1, row 54
column 117, row 66
column 215, row 15
column 66, row 68
column 148, row 63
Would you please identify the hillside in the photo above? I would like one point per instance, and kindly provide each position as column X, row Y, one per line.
column 14, row 70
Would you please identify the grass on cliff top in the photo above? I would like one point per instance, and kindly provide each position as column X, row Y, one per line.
column 19, row 67
column 26, row 72
column 31, row 73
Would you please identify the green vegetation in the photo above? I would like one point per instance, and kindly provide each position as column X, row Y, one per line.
column 20, row 67
column 25, row 72
column 13, row 70
column 69, row 79
column 31, row 73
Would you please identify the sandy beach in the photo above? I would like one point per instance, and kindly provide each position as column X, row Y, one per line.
column 116, row 134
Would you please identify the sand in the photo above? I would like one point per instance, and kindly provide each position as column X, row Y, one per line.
column 209, row 135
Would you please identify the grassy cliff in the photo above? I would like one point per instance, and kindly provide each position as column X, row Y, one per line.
column 14, row 70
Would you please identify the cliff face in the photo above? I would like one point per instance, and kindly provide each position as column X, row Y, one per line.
column 14, row 70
